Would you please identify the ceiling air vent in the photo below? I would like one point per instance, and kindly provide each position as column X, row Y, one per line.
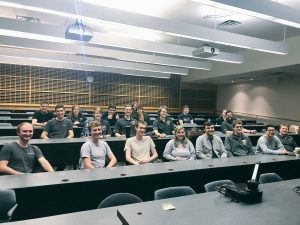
column 229, row 23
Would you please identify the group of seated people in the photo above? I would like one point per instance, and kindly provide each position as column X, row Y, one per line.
column 20, row 156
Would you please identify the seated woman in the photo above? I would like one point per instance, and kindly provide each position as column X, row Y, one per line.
column 179, row 148
column 77, row 118
column 106, row 130
column 94, row 152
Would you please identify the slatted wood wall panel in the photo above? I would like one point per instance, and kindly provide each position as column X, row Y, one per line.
column 30, row 85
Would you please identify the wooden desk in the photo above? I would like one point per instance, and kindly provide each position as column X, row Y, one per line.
column 11, row 131
column 46, row 194
column 279, row 206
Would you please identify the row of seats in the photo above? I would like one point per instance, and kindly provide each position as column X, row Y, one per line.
column 172, row 192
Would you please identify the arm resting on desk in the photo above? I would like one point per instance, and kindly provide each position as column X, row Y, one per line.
column 45, row 164
column 7, row 170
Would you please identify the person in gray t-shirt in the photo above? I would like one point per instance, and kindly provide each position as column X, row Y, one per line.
column 94, row 152
column 58, row 127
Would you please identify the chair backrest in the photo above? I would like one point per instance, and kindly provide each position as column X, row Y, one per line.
column 119, row 199
column 269, row 178
column 172, row 192
column 211, row 186
column 7, row 203
column 5, row 125
column 5, row 118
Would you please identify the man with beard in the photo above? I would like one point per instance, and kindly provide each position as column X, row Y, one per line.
column 227, row 125
column 21, row 157
column 209, row 145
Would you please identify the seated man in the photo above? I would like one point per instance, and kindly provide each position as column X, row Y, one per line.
column 58, row 127
column 269, row 143
column 237, row 143
column 287, row 140
column 41, row 117
column 127, row 121
column 21, row 157
column 138, row 148
column 94, row 152
column 163, row 125
column 111, row 116
column 185, row 117
column 209, row 145
column 227, row 125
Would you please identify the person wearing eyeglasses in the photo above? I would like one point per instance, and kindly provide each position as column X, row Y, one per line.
column 111, row 115
column 94, row 152
column 237, row 143
column 269, row 143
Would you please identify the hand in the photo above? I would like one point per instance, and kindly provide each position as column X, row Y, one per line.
column 253, row 131
column 144, row 161
column 117, row 116
column 283, row 152
column 162, row 135
column 110, row 115
column 177, row 158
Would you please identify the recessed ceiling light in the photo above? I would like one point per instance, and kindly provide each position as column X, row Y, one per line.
column 232, row 81
column 251, row 79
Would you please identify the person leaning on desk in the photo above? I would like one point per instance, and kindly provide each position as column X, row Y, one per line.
column 21, row 157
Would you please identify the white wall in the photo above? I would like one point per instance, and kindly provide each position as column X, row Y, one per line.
column 276, row 98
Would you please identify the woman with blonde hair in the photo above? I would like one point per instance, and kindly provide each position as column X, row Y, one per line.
column 106, row 130
column 179, row 148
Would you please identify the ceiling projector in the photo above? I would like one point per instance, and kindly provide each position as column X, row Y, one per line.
column 206, row 52
column 78, row 32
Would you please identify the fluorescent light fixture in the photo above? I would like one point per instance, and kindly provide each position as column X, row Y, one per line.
column 89, row 12
column 264, row 9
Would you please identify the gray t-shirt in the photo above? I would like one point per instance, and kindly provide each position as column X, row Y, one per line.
column 58, row 128
column 21, row 159
column 269, row 145
column 96, row 152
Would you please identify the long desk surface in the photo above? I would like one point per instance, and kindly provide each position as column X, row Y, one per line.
column 11, row 131
column 279, row 206
column 46, row 194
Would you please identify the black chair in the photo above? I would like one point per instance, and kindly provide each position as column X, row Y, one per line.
column 172, row 192
column 269, row 178
column 211, row 186
column 119, row 199
column 7, row 205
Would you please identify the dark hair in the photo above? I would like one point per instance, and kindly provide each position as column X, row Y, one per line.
column 58, row 106
column 111, row 106
column 228, row 111
column 140, row 122
column 270, row 125
column 21, row 124
column 44, row 102
column 207, row 124
column 185, row 106
column 235, row 122
column 284, row 125
column 127, row 105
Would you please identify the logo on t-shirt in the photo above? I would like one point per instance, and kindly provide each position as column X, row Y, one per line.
column 168, row 122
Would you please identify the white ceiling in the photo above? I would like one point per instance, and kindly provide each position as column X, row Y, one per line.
column 150, row 38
